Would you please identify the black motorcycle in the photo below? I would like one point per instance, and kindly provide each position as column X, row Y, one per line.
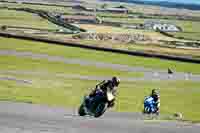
column 97, row 105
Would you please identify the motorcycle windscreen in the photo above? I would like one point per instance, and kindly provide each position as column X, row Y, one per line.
column 110, row 96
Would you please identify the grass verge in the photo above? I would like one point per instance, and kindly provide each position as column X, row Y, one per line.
column 42, row 65
column 71, row 52
column 176, row 96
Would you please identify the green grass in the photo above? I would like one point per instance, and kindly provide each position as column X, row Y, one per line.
column 40, row 7
column 187, row 35
column 179, row 96
column 51, row 89
column 165, row 50
column 150, row 48
column 124, row 20
column 191, row 29
column 19, row 18
column 42, row 65
column 71, row 52
column 15, row 18
column 176, row 96
column 120, row 30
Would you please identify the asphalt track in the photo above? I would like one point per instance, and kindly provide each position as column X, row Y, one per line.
column 149, row 74
column 32, row 118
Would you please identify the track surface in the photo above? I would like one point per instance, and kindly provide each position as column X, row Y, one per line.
column 149, row 74
column 29, row 118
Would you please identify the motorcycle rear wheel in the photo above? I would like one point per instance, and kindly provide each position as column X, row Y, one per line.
column 100, row 109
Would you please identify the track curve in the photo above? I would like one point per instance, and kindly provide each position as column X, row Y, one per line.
column 32, row 118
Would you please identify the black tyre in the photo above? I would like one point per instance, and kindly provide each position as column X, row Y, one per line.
column 100, row 109
column 81, row 111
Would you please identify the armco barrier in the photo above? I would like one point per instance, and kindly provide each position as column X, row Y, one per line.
column 134, row 53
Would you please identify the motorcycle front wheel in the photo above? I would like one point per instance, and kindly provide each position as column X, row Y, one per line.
column 81, row 110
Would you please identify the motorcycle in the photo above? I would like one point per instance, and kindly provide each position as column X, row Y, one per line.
column 97, row 105
column 150, row 106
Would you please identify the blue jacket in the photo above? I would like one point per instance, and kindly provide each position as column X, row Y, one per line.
column 150, row 101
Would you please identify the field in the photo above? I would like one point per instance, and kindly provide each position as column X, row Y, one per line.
column 191, row 29
column 97, row 55
column 194, row 53
column 118, row 30
column 24, row 19
column 9, row 17
column 149, row 48
column 38, row 80
column 40, row 7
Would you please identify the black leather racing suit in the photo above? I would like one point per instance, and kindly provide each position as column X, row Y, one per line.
column 104, row 85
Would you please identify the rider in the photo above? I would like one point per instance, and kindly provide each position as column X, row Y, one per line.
column 104, row 85
column 156, row 98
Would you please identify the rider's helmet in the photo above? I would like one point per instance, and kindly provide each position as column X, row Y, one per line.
column 155, row 94
column 115, row 81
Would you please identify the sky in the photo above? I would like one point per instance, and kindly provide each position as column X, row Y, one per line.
column 180, row 1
